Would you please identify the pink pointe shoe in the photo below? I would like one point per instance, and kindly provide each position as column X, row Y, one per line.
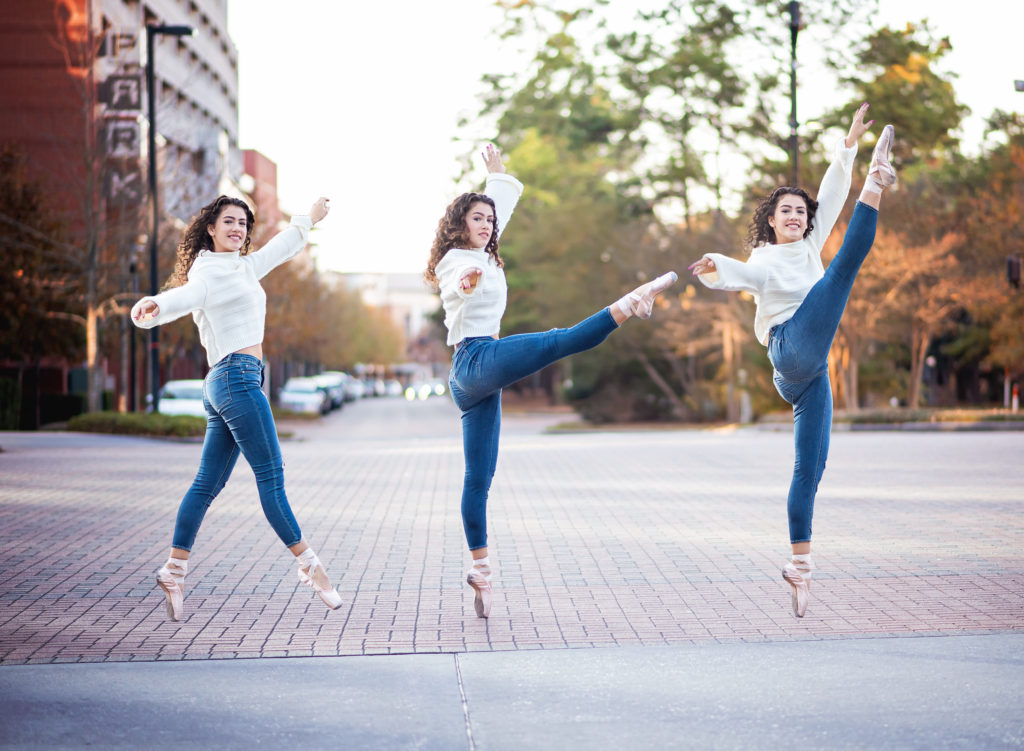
column 881, row 173
column 171, row 579
column 640, row 302
column 479, row 578
column 799, row 578
column 312, row 572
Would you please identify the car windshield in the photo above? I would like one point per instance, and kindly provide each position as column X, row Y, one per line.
column 183, row 392
column 301, row 387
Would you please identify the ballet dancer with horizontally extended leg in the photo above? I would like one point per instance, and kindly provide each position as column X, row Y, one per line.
column 467, row 270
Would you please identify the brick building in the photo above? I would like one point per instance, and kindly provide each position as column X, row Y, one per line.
column 73, row 101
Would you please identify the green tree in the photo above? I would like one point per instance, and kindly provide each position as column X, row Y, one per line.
column 682, row 91
column 35, row 276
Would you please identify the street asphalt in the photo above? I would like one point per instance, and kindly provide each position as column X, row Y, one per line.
column 638, row 603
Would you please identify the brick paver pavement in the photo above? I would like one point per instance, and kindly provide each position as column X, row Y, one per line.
column 641, row 538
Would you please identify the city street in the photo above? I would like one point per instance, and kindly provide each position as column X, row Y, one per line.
column 662, row 548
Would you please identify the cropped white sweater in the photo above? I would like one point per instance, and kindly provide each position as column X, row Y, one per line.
column 478, row 312
column 780, row 276
column 224, row 295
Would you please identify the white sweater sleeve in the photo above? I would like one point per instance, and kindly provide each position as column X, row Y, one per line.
column 835, row 187
column 505, row 191
column 282, row 247
column 734, row 276
column 174, row 303
column 449, row 274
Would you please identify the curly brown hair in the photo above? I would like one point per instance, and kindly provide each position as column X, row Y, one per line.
column 760, row 232
column 197, row 238
column 451, row 233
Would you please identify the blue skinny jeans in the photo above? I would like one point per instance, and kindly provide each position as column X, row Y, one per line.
column 238, row 420
column 481, row 368
column 798, row 350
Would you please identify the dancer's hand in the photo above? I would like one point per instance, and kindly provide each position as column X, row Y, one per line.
column 492, row 158
column 147, row 311
column 858, row 127
column 320, row 209
column 470, row 279
column 703, row 266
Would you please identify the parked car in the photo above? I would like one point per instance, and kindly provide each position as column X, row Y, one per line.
column 357, row 388
column 304, row 395
column 334, row 384
column 375, row 387
column 394, row 387
column 351, row 388
column 182, row 398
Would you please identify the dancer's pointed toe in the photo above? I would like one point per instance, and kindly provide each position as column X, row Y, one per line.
column 171, row 579
column 640, row 302
column 799, row 579
column 480, row 580
column 312, row 572
column 881, row 169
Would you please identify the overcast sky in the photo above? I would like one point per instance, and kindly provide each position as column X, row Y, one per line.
column 359, row 101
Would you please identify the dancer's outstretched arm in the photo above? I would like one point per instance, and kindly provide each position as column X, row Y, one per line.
column 169, row 305
column 718, row 271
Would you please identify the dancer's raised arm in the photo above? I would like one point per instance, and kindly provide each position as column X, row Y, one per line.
column 501, row 187
column 286, row 244
column 835, row 184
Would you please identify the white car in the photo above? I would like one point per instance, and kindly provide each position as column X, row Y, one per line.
column 334, row 385
column 182, row 398
column 304, row 395
column 351, row 387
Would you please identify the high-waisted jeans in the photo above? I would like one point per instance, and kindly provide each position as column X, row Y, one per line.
column 798, row 350
column 481, row 368
column 238, row 419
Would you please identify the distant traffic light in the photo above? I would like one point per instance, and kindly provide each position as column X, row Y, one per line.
column 1013, row 270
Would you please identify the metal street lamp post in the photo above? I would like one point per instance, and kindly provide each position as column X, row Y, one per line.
column 794, row 29
column 154, row 283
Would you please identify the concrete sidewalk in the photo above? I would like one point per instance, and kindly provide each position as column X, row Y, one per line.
column 922, row 693
column 662, row 548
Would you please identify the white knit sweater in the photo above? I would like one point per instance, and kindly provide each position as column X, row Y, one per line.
column 224, row 295
column 780, row 276
column 478, row 312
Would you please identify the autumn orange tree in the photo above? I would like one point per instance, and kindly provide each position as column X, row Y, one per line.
column 910, row 285
column 990, row 209
column 316, row 324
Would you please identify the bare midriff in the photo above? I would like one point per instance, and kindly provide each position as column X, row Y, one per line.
column 256, row 350
column 459, row 343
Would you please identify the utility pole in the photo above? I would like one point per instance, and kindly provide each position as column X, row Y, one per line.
column 794, row 29
column 152, row 31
